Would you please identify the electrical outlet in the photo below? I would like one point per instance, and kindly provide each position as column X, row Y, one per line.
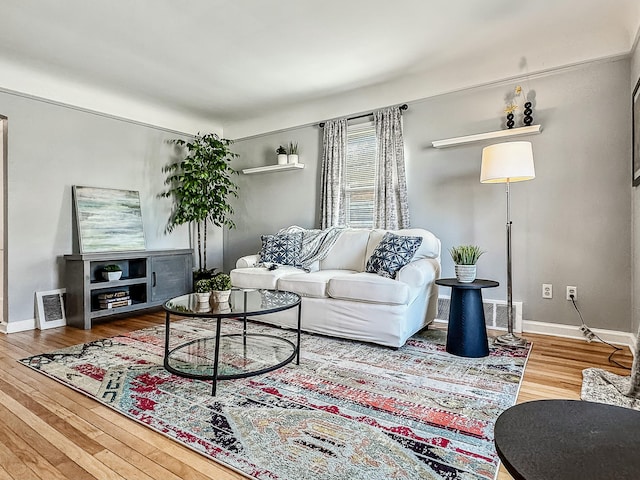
column 572, row 291
column 547, row 290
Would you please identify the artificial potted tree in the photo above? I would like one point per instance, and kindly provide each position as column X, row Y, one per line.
column 282, row 155
column 201, row 185
column 111, row 272
column 465, row 258
column 220, row 288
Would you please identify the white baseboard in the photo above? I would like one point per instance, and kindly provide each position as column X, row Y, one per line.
column 21, row 326
column 573, row 331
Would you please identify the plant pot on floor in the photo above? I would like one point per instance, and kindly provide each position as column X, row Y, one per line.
column 465, row 273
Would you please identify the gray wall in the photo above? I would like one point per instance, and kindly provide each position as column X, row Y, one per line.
column 51, row 148
column 571, row 225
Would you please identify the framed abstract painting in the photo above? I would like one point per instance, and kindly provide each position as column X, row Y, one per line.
column 108, row 220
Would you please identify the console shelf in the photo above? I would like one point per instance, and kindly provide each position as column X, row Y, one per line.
column 149, row 278
column 513, row 132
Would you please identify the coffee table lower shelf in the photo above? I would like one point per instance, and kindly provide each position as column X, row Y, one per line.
column 231, row 356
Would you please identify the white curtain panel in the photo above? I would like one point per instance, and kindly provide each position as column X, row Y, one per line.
column 334, row 155
column 391, row 209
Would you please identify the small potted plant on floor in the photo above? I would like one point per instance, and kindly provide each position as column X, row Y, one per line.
column 465, row 258
column 220, row 288
column 111, row 272
column 293, row 152
column 203, row 290
column 282, row 155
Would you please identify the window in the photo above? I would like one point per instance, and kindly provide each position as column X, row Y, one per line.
column 360, row 175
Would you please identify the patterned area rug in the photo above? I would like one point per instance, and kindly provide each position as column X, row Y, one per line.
column 349, row 410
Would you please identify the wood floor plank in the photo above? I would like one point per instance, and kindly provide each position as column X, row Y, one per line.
column 79, row 438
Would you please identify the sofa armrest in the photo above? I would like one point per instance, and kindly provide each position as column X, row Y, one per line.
column 418, row 273
column 247, row 261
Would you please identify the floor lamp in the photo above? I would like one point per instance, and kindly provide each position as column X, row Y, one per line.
column 507, row 163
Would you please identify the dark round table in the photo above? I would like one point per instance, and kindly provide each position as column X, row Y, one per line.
column 467, row 331
column 569, row 439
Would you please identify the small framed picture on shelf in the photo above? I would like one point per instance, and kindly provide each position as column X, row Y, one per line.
column 635, row 134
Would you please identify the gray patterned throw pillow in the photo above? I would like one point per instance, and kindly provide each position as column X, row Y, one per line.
column 283, row 249
column 392, row 253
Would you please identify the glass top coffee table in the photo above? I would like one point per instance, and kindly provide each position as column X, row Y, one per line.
column 245, row 354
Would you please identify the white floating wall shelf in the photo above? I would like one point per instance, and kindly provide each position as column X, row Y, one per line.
column 273, row 168
column 513, row 132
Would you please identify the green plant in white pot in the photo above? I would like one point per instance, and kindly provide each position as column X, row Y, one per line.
column 465, row 258
column 220, row 288
column 292, row 157
column 203, row 290
column 111, row 272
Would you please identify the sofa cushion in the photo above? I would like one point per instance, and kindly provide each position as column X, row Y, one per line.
column 369, row 287
column 260, row 277
column 348, row 253
column 283, row 248
column 429, row 248
column 392, row 253
column 310, row 284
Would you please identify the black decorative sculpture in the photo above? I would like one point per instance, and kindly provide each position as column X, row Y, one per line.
column 510, row 122
column 528, row 118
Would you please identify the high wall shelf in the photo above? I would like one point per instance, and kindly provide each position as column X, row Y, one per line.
column 513, row 132
column 273, row 168
column 149, row 277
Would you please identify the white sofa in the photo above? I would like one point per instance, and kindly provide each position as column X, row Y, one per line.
column 340, row 299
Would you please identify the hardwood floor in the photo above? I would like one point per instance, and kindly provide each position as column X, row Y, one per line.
column 48, row 431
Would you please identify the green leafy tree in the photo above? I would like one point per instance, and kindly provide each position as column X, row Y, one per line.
column 201, row 185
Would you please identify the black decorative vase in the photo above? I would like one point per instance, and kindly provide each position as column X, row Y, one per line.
column 528, row 118
column 510, row 122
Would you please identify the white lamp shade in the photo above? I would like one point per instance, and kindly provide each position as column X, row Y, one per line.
column 507, row 162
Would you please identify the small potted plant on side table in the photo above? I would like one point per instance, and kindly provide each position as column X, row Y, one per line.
column 111, row 272
column 220, row 288
column 203, row 290
column 465, row 258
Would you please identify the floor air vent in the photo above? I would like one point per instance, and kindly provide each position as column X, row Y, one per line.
column 495, row 313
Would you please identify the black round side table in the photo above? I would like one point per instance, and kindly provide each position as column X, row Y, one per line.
column 467, row 331
column 569, row 440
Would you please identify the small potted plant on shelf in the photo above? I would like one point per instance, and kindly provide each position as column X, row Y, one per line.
column 220, row 288
column 111, row 272
column 465, row 258
column 282, row 155
column 203, row 290
column 293, row 152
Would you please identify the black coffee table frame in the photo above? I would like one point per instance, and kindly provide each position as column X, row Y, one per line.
column 184, row 306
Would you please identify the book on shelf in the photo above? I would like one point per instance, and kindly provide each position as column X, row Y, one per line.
column 118, row 303
column 121, row 294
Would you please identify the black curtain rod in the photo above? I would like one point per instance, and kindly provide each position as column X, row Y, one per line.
column 402, row 107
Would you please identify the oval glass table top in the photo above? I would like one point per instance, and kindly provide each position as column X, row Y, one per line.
column 241, row 302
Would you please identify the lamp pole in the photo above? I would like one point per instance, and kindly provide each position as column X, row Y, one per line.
column 509, row 338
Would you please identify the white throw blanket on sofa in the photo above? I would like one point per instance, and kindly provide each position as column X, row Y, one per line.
column 315, row 243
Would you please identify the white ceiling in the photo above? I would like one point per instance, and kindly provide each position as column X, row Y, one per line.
column 248, row 66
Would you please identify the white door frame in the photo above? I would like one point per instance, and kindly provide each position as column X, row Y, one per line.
column 4, row 307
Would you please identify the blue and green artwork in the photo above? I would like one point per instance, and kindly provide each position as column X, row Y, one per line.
column 108, row 219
